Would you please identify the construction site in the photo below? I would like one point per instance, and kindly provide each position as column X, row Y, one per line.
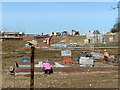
column 90, row 71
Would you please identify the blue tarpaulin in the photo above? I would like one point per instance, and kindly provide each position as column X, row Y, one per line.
column 24, row 60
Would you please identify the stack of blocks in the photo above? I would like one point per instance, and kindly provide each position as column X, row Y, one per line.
column 66, row 57
column 66, row 60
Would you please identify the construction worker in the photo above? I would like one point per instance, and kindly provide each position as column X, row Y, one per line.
column 106, row 55
column 47, row 68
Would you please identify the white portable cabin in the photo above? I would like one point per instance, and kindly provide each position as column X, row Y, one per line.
column 85, row 61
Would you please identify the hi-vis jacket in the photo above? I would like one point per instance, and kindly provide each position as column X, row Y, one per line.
column 106, row 54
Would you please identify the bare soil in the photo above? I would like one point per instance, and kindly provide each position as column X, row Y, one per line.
column 98, row 79
column 101, row 79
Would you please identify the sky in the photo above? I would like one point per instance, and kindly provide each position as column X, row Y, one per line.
column 47, row 17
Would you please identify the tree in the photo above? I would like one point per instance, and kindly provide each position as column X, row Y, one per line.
column 116, row 26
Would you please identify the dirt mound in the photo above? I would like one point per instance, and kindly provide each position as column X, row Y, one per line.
column 29, row 37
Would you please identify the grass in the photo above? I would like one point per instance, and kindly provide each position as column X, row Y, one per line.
column 12, row 45
column 9, row 46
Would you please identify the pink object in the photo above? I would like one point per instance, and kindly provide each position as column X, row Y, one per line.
column 46, row 65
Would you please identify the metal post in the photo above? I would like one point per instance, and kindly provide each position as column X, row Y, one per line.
column 32, row 69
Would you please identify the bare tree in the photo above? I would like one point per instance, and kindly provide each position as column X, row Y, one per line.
column 116, row 26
